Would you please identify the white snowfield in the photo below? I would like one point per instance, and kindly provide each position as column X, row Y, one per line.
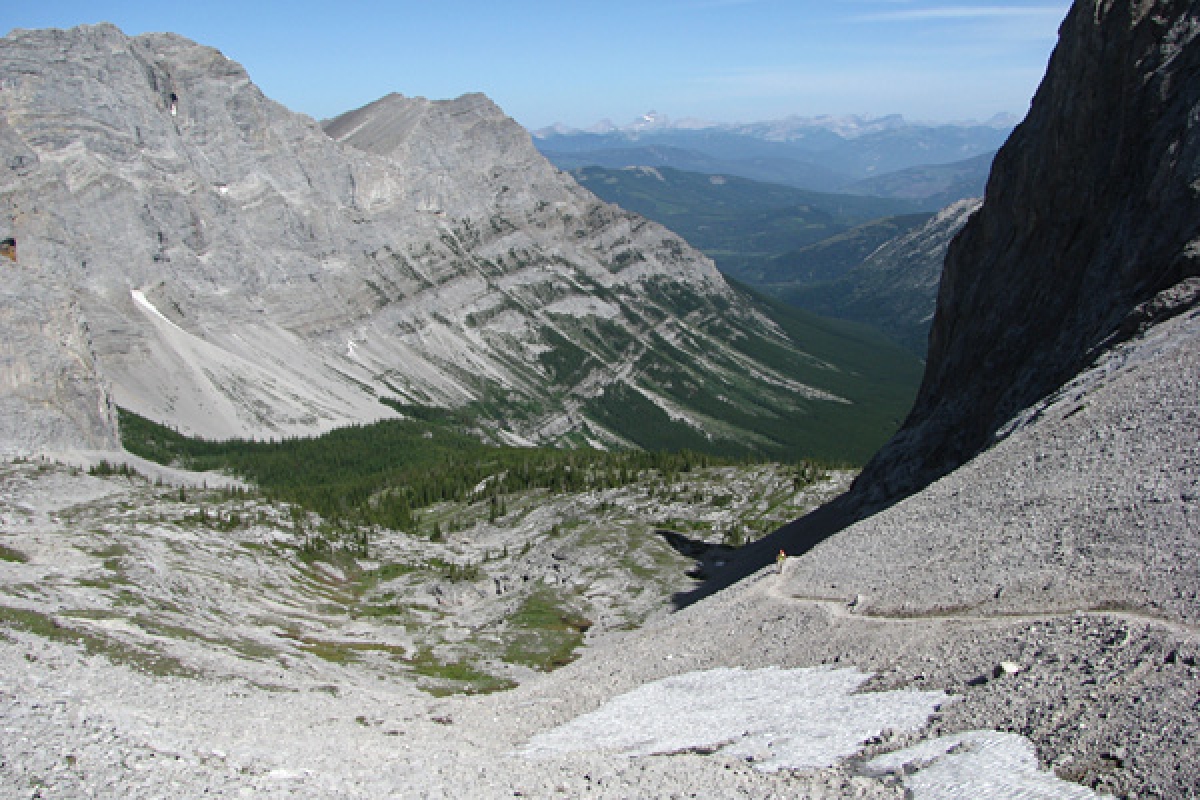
column 773, row 718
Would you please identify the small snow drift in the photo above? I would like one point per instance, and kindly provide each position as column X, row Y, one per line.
column 981, row 765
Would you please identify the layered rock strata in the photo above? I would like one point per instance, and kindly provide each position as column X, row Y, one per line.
column 244, row 274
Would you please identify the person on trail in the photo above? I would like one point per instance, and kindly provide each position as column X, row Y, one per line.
column 779, row 559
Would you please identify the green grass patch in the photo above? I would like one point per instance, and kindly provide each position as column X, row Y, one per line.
column 455, row 677
column 140, row 658
column 341, row 652
column 544, row 632
column 383, row 611
column 246, row 648
column 15, row 556
column 394, row 569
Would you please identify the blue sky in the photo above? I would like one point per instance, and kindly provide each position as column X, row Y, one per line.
column 579, row 62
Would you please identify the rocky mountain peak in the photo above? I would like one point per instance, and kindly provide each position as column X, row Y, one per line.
column 1090, row 231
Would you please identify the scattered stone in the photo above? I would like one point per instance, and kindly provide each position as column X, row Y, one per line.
column 1006, row 669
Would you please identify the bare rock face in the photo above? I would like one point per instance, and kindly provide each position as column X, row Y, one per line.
column 151, row 173
column 243, row 273
column 52, row 396
column 1090, row 232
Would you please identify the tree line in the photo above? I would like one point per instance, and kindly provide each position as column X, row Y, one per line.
column 383, row 473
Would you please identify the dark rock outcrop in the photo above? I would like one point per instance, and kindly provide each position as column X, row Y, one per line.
column 1090, row 232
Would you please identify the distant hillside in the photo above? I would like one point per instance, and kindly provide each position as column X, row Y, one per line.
column 739, row 223
column 823, row 153
column 894, row 289
column 773, row 169
column 933, row 186
column 831, row 258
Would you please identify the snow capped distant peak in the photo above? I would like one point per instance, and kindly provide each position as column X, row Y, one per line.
column 786, row 129
column 651, row 120
column 849, row 126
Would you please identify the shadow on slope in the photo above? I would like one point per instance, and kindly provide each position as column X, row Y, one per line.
column 796, row 538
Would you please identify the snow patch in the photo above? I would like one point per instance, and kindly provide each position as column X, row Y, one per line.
column 776, row 718
column 140, row 298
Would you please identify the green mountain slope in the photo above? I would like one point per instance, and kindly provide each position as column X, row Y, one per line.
column 933, row 186
column 876, row 377
column 747, row 376
column 737, row 222
column 831, row 258
column 895, row 288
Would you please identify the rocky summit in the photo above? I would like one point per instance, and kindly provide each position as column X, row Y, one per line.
column 190, row 250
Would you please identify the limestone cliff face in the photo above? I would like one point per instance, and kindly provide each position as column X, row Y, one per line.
column 1090, row 231
column 52, row 394
column 243, row 273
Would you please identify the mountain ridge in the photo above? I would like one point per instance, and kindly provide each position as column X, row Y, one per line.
column 244, row 274
column 801, row 153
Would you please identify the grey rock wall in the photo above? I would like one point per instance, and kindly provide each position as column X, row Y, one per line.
column 1090, row 231
column 52, row 394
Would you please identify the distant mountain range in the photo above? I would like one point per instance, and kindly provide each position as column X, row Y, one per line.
column 851, row 154
column 845, row 126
